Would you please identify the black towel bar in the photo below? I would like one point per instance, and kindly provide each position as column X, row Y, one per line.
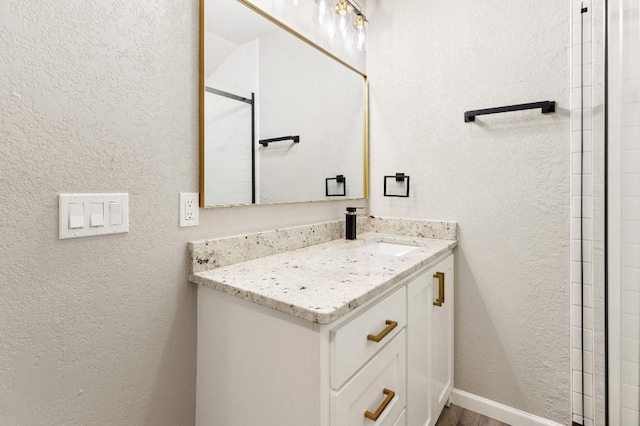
column 266, row 142
column 546, row 106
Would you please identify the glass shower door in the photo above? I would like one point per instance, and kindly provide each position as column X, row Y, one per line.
column 623, row 211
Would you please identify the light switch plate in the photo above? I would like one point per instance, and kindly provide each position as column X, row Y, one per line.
column 70, row 226
column 189, row 209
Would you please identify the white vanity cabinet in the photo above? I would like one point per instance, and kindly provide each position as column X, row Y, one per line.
column 430, row 343
column 442, row 334
column 376, row 365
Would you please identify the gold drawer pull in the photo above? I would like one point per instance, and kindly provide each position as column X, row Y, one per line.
column 374, row 416
column 440, row 300
column 390, row 326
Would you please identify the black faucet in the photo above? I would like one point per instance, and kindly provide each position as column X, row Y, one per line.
column 351, row 222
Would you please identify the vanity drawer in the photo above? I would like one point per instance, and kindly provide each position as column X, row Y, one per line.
column 353, row 343
column 402, row 420
column 378, row 389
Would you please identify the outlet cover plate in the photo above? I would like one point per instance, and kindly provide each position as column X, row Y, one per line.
column 189, row 209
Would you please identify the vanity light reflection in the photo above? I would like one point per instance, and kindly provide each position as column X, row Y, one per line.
column 338, row 19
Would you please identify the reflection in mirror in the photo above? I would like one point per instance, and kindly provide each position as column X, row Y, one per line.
column 283, row 122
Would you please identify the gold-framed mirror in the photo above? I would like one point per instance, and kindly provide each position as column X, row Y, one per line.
column 282, row 120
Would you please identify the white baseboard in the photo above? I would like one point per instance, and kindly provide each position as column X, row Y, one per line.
column 495, row 410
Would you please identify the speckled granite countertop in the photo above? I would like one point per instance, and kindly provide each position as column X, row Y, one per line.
column 322, row 282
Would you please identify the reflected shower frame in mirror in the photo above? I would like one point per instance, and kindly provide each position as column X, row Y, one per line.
column 365, row 147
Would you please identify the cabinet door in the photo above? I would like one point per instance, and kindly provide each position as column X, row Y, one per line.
column 442, row 335
column 419, row 307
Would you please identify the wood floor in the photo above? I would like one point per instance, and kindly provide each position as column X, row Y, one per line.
column 458, row 416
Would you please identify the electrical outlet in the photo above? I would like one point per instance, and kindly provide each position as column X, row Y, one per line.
column 189, row 210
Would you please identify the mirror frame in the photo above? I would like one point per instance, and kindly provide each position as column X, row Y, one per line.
column 201, row 97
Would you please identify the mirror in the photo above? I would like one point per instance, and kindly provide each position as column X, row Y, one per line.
column 281, row 120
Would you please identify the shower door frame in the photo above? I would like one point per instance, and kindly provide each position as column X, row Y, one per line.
column 252, row 102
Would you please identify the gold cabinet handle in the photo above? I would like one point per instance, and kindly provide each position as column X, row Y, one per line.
column 377, row 337
column 374, row 416
column 440, row 300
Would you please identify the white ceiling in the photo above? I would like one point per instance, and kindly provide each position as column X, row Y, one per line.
column 235, row 22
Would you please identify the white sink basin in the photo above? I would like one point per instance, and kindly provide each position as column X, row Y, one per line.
column 388, row 249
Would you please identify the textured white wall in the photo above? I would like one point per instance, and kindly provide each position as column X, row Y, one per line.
column 103, row 96
column 505, row 178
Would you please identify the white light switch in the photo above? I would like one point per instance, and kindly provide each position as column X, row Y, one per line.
column 115, row 210
column 86, row 215
column 76, row 216
column 97, row 214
